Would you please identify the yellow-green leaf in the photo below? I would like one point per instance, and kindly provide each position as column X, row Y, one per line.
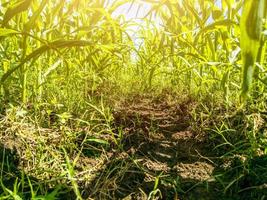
column 17, row 8
column 6, row 32
column 251, row 28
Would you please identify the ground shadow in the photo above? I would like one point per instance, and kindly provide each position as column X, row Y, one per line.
column 15, row 179
column 158, row 144
column 132, row 172
column 9, row 161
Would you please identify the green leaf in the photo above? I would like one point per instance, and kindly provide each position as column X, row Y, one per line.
column 251, row 28
column 6, row 32
column 32, row 22
column 215, row 26
column 194, row 13
column 217, row 13
column 53, row 45
column 15, row 9
column 97, row 140
column 264, row 80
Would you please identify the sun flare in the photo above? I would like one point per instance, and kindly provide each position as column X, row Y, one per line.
column 133, row 99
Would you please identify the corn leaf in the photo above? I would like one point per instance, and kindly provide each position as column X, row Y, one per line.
column 53, row 45
column 215, row 26
column 6, row 32
column 15, row 9
column 251, row 28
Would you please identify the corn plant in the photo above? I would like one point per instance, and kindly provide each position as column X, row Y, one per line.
column 198, row 43
column 42, row 38
column 252, row 40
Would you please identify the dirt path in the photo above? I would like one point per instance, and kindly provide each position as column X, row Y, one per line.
column 158, row 143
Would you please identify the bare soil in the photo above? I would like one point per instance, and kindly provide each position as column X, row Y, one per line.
column 158, row 143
